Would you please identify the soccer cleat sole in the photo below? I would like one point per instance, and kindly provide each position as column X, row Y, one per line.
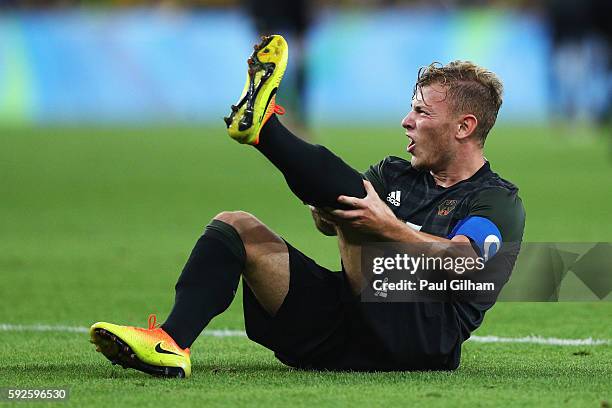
column 118, row 352
column 255, row 66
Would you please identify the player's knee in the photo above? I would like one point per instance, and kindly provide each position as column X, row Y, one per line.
column 237, row 219
column 258, row 240
column 221, row 228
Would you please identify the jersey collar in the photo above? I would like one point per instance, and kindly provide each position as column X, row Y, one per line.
column 482, row 171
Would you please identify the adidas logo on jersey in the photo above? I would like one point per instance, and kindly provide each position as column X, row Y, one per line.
column 394, row 198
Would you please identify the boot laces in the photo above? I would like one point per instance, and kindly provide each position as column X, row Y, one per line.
column 153, row 322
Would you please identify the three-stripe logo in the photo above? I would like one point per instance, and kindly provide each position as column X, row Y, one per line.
column 394, row 198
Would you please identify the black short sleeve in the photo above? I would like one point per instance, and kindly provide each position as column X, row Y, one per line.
column 504, row 208
column 375, row 175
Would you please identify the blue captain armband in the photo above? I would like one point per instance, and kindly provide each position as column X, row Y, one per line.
column 485, row 235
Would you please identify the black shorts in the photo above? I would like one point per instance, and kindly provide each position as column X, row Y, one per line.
column 322, row 325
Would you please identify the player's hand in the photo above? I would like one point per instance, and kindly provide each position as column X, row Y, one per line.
column 325, row 226
column 369, row 215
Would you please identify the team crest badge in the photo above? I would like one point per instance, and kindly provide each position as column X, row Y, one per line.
column 446, row 207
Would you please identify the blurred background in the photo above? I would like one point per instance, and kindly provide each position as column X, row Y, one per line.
column 114, row 154
column 128, row 61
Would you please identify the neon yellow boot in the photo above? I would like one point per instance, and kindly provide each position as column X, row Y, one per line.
column 150, row 350
column 258, row 100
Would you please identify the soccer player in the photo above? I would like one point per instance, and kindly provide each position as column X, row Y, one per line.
column 309, row 316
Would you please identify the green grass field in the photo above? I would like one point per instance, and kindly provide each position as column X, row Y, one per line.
column 96, row 224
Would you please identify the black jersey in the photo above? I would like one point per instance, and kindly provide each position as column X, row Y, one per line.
column 416, row 199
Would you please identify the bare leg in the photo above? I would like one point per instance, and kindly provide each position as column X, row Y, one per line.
column 267, row 259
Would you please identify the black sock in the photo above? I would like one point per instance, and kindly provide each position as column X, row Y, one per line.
column 208, row 282
column 313, row 173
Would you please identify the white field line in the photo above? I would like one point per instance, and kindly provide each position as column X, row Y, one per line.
column 551, row 341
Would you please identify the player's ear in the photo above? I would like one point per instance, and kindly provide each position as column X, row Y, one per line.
column 467, row 126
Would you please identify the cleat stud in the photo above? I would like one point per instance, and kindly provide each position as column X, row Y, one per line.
column 133, row 356
column 234, row 108
column 228, row 121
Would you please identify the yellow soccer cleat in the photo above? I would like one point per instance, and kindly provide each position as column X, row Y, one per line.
column 258, row 100
column 150, row 350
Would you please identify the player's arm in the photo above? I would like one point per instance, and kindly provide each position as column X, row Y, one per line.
column 496, row 215
column 370, row 215
column 494, row 212
column 459, row 245
column 477, row 238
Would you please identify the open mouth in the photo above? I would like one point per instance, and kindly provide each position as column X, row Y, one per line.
column 411, row 145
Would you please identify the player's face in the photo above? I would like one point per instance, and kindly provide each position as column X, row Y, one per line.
column 429, row 127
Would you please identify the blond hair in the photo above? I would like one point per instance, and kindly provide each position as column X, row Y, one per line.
column 471, row 88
